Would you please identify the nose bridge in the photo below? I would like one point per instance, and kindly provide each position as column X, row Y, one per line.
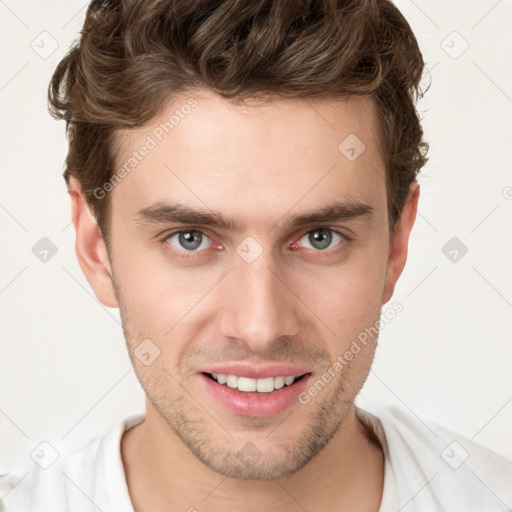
column 259, row 308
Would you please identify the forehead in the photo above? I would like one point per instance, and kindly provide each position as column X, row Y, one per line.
column 206, row 151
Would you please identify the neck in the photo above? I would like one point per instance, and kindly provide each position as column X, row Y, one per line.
column 163, row 474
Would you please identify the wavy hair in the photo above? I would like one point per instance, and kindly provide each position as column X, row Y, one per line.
column 132, row 56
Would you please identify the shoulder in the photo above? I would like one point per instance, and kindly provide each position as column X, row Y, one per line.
column 31, row 486
column 439, row 469
column 79, row 481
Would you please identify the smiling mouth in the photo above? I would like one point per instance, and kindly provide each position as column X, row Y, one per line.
column 248, row 385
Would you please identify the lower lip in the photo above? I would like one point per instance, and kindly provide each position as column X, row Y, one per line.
column 253, row 404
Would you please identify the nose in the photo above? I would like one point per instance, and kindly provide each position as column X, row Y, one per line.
column 259, row 304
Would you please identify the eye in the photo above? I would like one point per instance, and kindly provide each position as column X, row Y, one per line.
column 322, row 238
column 189, row 240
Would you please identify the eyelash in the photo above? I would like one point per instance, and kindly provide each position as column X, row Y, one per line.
column 193, row 254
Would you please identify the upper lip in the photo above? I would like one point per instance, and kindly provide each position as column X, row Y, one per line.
column 253, row 371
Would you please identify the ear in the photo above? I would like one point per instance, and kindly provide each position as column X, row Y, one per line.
column 399, row 241
column 90, row 247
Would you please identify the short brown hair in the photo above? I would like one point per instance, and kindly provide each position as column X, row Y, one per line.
column 134, row 55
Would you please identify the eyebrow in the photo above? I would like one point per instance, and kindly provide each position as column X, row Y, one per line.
column 165, row 213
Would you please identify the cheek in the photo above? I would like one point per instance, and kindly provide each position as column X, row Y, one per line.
column 165, row 305
column 350, row 306
column 156, row 292
column 347, row 297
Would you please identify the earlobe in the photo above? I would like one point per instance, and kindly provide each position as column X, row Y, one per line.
column 399, row 242
column 90, row 247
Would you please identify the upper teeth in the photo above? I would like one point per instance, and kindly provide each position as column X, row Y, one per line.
column 246, row 384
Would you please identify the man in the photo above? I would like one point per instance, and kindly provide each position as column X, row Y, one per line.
column 243, row 186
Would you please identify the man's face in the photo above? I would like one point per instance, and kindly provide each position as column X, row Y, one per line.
column 269, row 299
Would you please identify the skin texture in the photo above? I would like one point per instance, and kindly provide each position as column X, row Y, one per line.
column 295, row 304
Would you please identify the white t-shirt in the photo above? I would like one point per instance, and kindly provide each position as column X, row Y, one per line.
column 427, row 469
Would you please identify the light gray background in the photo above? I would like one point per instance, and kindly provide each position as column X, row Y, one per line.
column 64, row 371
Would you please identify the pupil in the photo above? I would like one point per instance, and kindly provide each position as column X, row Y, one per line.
column 321, row 238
